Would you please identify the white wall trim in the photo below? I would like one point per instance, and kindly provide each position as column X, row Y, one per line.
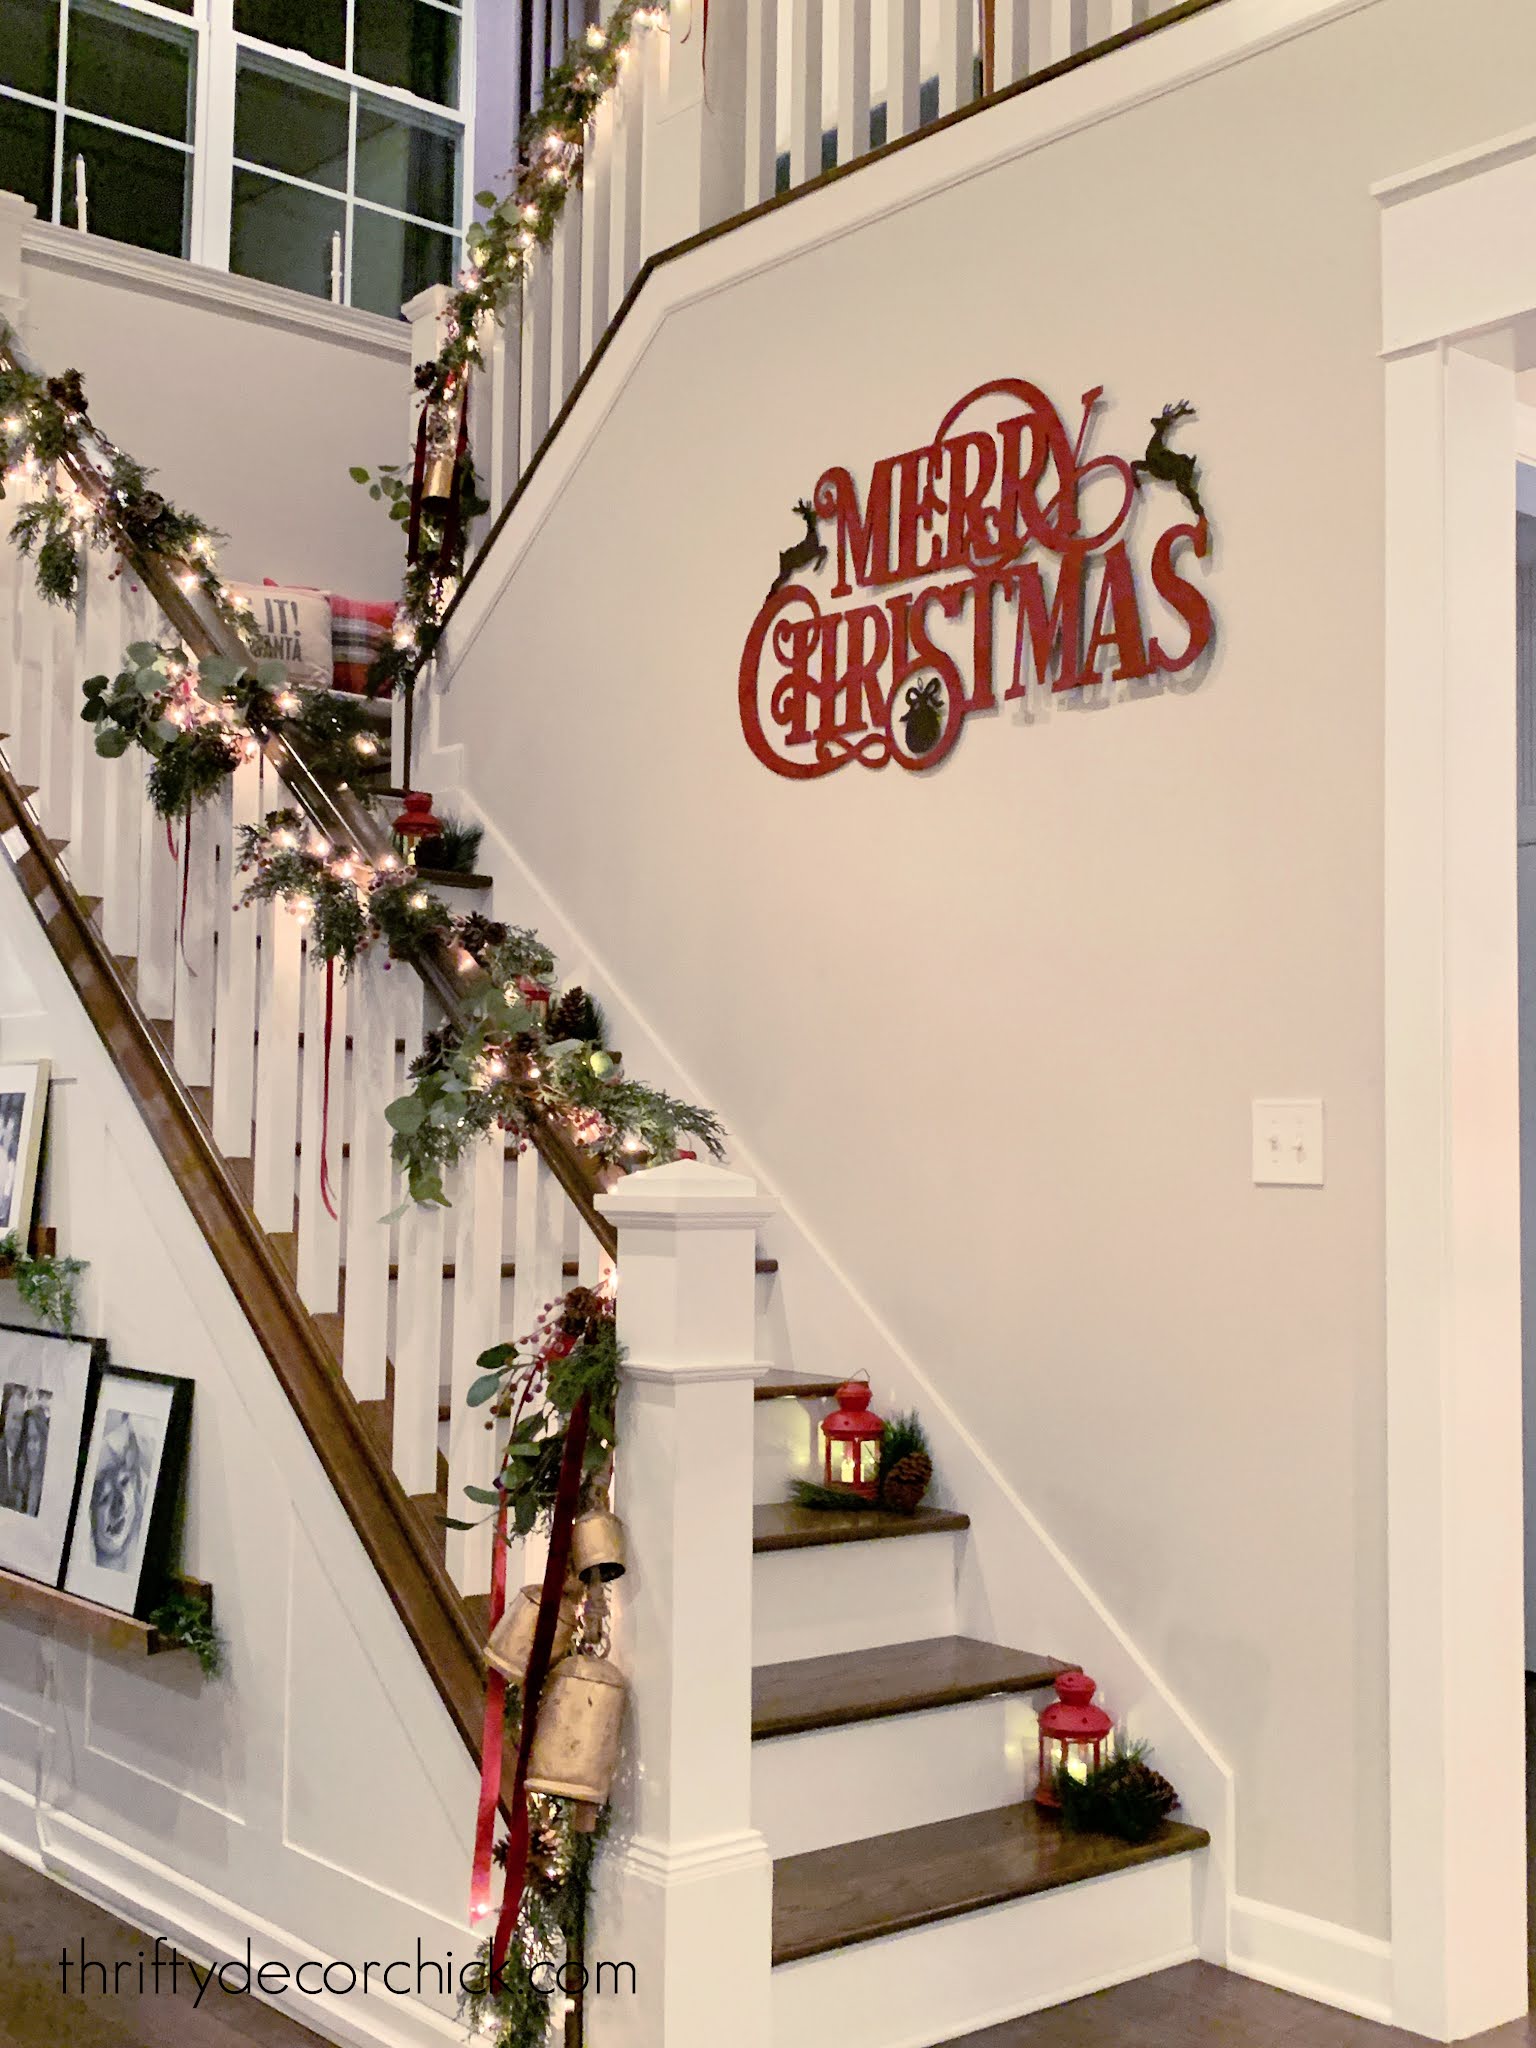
column 200, row 1924
column 1121, row 79
column 1453, row 1266
column 1316, row 1958
column 242, row 298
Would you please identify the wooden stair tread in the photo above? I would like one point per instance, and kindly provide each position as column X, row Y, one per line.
column 801, row 1386
column 900, row 1678
column 858, row 1891
column 450, row 878
column 779, row 1525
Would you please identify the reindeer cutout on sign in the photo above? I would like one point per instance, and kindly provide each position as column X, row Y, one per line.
column 1167, row 464
column 804, row 551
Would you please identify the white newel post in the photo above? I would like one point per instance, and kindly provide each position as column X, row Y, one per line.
column 16, row 216
column 686, row 1889
column 694, row 171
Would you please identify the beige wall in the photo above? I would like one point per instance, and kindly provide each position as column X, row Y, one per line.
column 251, row 422
column 996, row 1031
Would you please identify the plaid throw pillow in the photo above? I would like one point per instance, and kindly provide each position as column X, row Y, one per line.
column 359, row 631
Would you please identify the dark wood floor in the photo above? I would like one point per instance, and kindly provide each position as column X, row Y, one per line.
column 1195, row 2006
column 40, row 1919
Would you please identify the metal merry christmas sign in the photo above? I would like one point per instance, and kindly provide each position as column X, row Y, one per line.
column 999, row 557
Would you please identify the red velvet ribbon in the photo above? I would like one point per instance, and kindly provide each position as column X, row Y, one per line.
column 186, row 874
column 566, row 1496
column 461, row 445
column 491, row 1738
column 326, row 1195
column 418, row 477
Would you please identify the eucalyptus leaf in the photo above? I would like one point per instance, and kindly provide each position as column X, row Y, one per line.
column 484, row 1389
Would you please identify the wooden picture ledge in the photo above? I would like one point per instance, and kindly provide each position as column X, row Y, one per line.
column 102, row 1625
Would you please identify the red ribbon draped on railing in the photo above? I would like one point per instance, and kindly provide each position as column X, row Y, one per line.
column 326, row 1194
column 555, row 1569
column 491, row 1739
column 186, row 876
column 418, row 476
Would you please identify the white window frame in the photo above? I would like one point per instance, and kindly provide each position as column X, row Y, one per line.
column 224, row 48
column 215, row 61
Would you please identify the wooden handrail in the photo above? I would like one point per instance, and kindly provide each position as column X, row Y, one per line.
column 334, row 814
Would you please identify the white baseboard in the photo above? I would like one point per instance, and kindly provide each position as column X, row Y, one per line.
column 203, row 1926
column 1315, row 1958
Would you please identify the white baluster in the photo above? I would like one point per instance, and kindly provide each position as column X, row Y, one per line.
column 502, row 393
column 55, row 767
column 196, row 921
column 694, row 170
column 473, row 1447
column 852, row 80
column 957, row 54
column 534, row 395
column 591, row 1260
column 805, row 94
column 1090, row 22
column 1122, row 15
column 100, row 647
column 418, row 1313
column 564, row 308
column 277, row 1065
column 159, row 906
column 34, row 674
column 371, row 1191
column 626, row 184
column 322, row 1133
column 15, row 577
column 1050, row 34
column 537, row 1256
column 234, row 1064
column 903, row 66
column 762, row 128
column 596, row 207
column 1010, row 32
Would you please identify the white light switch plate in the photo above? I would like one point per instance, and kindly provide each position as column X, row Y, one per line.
column 1288, row 1144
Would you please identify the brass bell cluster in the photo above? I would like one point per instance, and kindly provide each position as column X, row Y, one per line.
column 581, row 1710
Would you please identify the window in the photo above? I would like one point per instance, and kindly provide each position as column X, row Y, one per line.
column 347, row 171
column 100, row 96
column 328, row 136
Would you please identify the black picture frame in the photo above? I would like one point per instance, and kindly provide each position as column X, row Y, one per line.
column 135, row 1588
column 96, row 1348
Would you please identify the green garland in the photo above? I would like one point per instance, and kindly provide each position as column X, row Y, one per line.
column 199, row 721
column 498, row 248
column 45, row 1283
column 43, row 421
column 1123, row 1797
column 518, row 1056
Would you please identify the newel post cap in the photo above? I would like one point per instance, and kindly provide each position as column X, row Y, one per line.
column 684, row 1193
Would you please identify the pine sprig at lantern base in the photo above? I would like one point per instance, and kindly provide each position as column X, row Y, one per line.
column 1124, row 1797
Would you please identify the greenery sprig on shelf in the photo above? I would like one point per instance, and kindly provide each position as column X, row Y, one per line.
column 498, row 250
column 187, row 1619
column 48, row 1285
column 906, row 1471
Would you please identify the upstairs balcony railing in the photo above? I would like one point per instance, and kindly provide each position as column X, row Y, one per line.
column 726, row 108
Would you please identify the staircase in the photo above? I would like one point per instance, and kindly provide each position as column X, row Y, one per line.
column 917, row 1891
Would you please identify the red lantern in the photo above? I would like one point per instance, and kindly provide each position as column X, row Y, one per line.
column 416, row 821
column 851, row 1442
column 1073, row 1734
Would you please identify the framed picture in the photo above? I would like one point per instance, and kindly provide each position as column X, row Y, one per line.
column 45, row 1386
column 119, row 1552
column 23, row 1105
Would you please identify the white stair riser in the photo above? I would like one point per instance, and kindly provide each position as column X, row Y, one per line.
column 853, row 1596
column 929, row 1985
column 871, row 1777
column 786, row 1436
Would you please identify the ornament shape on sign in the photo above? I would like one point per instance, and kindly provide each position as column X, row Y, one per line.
column 996, row 560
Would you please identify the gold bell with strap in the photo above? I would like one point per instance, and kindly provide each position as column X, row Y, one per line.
column 576, row 1743
column 512, row 1638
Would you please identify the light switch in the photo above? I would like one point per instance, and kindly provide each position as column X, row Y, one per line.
column 1288, row 1144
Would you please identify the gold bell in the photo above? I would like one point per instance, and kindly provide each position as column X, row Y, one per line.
column 437, row 477
column 598, row 1547
column 576, row 1742
column 512, row 1638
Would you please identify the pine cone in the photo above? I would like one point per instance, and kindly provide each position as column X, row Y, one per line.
column 903, row 1487
column 573, row 1016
